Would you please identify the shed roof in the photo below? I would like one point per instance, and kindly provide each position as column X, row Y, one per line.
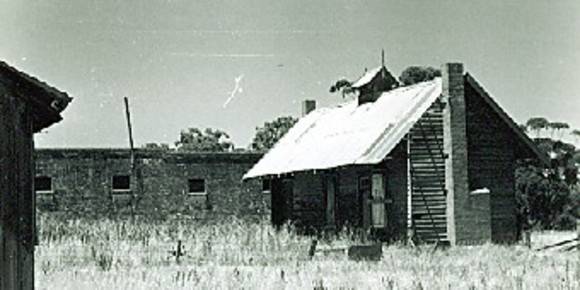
column 349, row 134
column 47, row 102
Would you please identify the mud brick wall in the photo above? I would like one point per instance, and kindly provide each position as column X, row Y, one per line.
column 82, row 183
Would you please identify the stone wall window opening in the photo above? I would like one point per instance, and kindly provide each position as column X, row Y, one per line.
column 196, row 186
column 266, row 186
column 121, row 183
column 43, row 184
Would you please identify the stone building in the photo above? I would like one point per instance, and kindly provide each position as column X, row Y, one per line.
column 434, row 159
column 27, row 106
column 101, row 182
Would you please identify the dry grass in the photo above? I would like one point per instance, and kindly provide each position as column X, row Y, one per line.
column 240, row 255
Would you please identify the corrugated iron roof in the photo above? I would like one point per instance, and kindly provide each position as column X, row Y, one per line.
column 349, row 134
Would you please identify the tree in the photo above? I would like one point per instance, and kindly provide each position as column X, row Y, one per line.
column 556, row 127
column 547, row 197
column 537, row 124
column 576, row 134
column 271, row 132
column 416, row 74
column 343, row 86
column 156, row 146
column 210, row 140
column 544, row 201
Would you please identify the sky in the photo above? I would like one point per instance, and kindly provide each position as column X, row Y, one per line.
column 233, row 65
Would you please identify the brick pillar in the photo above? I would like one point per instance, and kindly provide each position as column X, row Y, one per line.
column 468, row 218
column 308, row 106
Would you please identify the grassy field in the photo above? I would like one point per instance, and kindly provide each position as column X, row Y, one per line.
column 239, row 255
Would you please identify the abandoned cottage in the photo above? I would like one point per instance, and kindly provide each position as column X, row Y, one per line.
column 27, row 106
column 435, row 160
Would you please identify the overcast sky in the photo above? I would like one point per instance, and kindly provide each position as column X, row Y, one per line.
column 233, row 65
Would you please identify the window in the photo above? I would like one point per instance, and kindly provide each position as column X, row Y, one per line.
column 196, row 186
column 266, row 185
column 121, row 183
column 42, row 184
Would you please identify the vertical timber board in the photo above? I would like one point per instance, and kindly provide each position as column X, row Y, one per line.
column 8, row 247
column 23, row 152
column 491, row 158
column 397, row 191
column 330, row 197
column 16, row 196
column 5, row 114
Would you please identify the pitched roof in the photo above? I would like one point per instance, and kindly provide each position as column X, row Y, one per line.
column 47, row 102
column 367, row 77
column 370, row 75
column 349, row 134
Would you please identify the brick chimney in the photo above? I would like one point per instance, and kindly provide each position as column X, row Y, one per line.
column 468, row 215
column 308, row 106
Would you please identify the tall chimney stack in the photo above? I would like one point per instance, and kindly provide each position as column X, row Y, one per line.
column 468, row 217
column 308, row 106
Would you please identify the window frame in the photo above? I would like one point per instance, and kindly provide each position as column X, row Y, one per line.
column 268, row 190
column 196, row 193
column 51, row 190
column 120, row 190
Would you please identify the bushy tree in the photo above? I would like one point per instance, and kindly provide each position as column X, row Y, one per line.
column 343, row 86
column 544, row 200
column 548, row 198
column 557, row 127
column 417, row 74
column 537, row 124
column 267, row 135
column 156, row 146
column 576, row 134
column 209, row 140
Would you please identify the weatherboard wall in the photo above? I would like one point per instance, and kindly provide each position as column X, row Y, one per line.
column 427, row 170
column 492, row 159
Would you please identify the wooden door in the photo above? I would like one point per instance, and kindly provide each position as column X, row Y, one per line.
column 377, row 201
column 281, row 194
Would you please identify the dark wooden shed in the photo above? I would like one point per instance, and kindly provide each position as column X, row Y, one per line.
column 27, row 105
column 435, row 159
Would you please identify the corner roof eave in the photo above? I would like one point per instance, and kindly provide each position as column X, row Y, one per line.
column 47, row 102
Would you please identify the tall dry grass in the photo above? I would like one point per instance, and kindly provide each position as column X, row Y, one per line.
column 236, row 254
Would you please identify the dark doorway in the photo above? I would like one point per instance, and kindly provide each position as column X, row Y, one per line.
column 281, row 200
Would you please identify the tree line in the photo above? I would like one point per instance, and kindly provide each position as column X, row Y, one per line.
column 216, row 140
